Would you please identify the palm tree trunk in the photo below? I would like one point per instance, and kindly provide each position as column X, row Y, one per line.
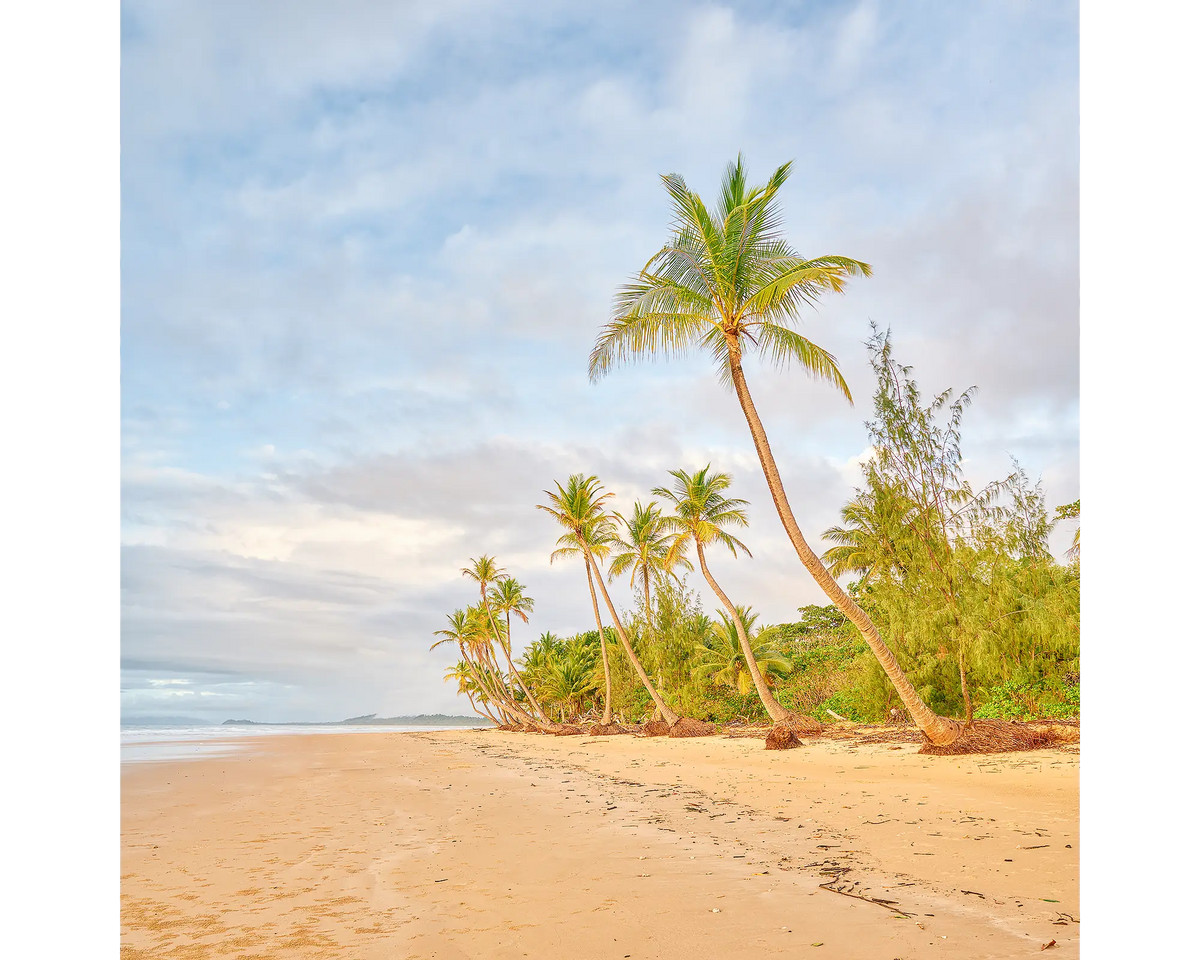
column 484, row 693
column 500, row 693
column 777, row 712
column 496, row 633
column 475, row 707
column 649, row 629
column 607, row 718
column 668, row 714
column 512, row 671
column 940, row 730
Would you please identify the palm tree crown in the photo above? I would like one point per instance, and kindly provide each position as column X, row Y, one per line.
column 722, row 658
column 579, row 506
column 702, row 511
column 644, row 547
column 725, row 278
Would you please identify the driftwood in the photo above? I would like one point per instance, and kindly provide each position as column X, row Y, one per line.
column 836, row 716
column 887, row 904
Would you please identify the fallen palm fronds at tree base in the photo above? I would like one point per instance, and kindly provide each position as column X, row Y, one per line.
column 1005, row 736
column 783, row 737
column 687, row 727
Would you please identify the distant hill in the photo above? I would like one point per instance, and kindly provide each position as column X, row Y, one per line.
column 422, row 720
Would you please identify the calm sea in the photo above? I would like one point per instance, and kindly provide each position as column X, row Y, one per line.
column 149, row 744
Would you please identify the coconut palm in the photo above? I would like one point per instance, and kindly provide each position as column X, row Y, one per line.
column 570, row 679
column 485, row 571
column 643, row 550
column 724, row 661
column 577, row 509
column 508, row 597
column 727, row 281
column 868, row 543
column 702, row 511
column 590, row 531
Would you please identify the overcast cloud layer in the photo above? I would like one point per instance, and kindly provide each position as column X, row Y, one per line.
column 366, row 249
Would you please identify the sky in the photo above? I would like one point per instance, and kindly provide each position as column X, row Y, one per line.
column 366, row 248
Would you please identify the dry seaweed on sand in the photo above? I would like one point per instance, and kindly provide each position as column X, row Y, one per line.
column 655, row 728
column 739, row 730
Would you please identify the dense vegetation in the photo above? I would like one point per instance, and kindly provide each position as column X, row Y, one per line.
column 981, row 617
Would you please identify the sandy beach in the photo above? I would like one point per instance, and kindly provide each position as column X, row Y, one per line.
column 486, row 844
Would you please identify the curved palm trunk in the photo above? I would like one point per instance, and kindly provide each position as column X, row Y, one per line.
column 649, row 629
column 504, row 647
column 607, row 718
column 484, row 693
column 668, row 714
column 504, row 702
column 475, row 707
column 775, row 709
column 512, row 672
column 940, row 730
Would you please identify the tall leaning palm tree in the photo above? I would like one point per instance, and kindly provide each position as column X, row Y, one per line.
column 702, row 512
column 581, row 509
column 727, row 281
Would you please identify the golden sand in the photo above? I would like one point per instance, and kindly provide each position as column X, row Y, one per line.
column 484, row 844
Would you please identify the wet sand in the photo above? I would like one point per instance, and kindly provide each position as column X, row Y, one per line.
column 484, row 844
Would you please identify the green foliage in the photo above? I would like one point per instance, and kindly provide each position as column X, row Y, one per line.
column 721, row 660
column 961, row 582
column 815, row 622
column 1047, row 698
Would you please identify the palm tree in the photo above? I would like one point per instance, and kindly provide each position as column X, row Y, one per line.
column 725, row 662
column 645, row 552
column 569, row 681
column 727, row 281
column 485, row 571
column 590, row 531
column 576, row 509
column 868, row 544
column 508, row 596
column 701, row 513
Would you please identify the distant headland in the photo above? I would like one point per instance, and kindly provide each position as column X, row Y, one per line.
column 422, row 720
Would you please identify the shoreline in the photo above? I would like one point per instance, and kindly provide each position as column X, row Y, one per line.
column 484, row 843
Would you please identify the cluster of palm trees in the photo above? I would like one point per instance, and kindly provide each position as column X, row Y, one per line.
column 650, row 546
column 726, row 282
column 477, row 633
